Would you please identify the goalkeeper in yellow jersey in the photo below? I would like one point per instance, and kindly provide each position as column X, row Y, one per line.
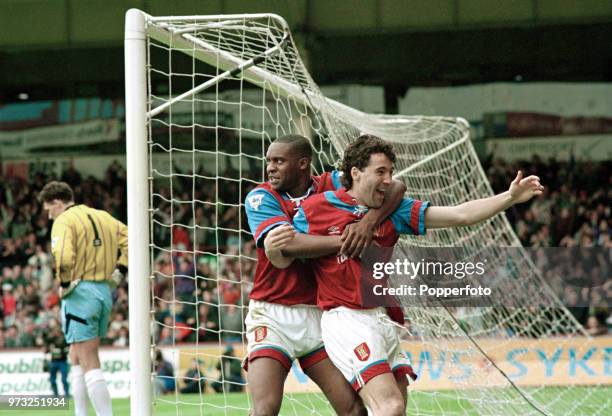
column 89, row 247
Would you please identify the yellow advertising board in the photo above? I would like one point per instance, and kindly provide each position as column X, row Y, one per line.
column 460, row 364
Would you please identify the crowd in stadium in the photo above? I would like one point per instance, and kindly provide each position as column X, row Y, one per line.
column 30, row 301
column 575, row 211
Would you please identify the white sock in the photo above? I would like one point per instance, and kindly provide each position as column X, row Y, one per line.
column 79, row 391
column 98, row 392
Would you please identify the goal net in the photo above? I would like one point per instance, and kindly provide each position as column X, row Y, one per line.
column 205, row 97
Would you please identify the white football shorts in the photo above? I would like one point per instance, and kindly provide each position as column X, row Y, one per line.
column 284, row 333
column 363, row 343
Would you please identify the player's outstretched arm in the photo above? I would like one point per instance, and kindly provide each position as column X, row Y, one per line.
column 472, row 212
column 358, row 236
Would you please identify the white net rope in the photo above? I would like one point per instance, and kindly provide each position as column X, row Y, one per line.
column 207, row 152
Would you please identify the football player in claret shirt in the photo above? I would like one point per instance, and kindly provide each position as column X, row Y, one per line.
column 361, row 341
column 283, row 322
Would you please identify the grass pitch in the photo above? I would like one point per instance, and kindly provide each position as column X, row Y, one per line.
column 302, row 404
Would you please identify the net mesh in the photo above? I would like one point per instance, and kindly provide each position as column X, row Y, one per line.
column 207, row 152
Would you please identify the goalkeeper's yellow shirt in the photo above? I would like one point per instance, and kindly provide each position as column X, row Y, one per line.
column 87, row 244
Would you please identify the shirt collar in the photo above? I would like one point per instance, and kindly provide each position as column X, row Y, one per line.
column 344, row 196
column 310, row 191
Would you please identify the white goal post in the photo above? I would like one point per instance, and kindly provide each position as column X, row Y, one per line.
column 205, row 95
column 138, row 213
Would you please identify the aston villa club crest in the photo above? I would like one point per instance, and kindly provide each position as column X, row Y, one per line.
column 362, row 351
column 260, row 333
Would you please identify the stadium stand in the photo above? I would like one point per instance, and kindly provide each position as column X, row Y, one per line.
column 574, row 212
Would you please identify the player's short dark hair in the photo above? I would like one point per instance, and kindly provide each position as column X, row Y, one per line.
column 56, row 190
column 358, row 153
column 299, row 144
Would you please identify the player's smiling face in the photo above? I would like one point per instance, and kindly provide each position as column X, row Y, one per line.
column 283, row 167
column 370, row 184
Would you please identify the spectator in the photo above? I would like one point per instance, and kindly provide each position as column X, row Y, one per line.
column 208, row 329
column 31, row 300
column 11, row 337
column 57, row 352
column 9, row 303
column 40, row 262
column 164, row 379
column 122, row 338
column 71, row 176
column 230, row 373
column 231, row 323
column 194, row 380
column 27, row 338
column 595, row 326
column 166, row 337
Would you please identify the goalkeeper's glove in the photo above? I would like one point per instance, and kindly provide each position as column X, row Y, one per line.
column 118, row 275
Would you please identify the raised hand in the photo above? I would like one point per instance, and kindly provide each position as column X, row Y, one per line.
column 523, row 189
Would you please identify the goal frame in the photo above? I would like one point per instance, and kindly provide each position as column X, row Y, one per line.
column 137, row 117
column 140, row 27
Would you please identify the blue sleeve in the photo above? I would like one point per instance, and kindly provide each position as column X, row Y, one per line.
column 336, row 177
column 263, row 213
column 409, row 217
column 300, row 222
